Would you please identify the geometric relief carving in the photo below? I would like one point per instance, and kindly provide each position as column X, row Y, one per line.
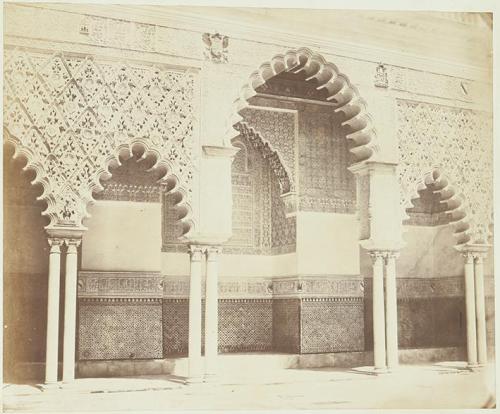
column 171, row 226
column 119, row 330
column 120, row 284
column 456, row 142
column 276, row 130
column 119, row 33
column 260, row 225
column 323, row 286
column 69, row 114
column 131, row 182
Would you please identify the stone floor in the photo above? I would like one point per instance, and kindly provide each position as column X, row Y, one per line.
column 444, row 385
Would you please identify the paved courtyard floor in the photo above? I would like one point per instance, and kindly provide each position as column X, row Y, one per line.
column 430, row 386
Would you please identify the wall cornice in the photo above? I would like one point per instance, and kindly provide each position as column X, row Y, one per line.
column 254, row 32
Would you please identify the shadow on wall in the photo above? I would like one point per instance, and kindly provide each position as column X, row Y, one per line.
column 25, row 274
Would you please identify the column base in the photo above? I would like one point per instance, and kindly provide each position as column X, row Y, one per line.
column 371, row 370
column 210, row 378
column 474, row 367
column 193, row 380
column 50, row 386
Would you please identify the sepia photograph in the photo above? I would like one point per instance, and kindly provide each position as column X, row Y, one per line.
column 269, row 207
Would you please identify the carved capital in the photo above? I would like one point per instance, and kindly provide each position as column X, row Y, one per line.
column 213, row 253
column 196, row 252
column 55, row 244
column 479, row 257
column 72, row 245
column 377, row 256
column 391, row 255
column 468, row 256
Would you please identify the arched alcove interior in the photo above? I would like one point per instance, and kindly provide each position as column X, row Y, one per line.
column 294, row 118
column 25, row 272
column 134, row 216
column 431, row 305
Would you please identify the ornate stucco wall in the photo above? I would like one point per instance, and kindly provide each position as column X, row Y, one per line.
column 148, row 76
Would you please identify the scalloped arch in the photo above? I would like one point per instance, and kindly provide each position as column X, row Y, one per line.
column 449, row 193
column 340, row 92
column 255, row 138
column 71, row 116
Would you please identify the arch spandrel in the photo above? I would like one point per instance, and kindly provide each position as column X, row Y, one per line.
column 456, row 142
column 72, row 115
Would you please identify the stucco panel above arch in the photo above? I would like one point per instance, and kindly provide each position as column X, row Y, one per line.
column 456, row 142
column 71, row 115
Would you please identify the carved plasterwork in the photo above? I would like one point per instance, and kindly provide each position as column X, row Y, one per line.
column 457, row 144
column 432, row 84
column 260, row 221
column 216, row 47
column 319, row 286
column 381, row 80
column 118, row 33
column 270, row 154
column 70, row 115
column 120, row 284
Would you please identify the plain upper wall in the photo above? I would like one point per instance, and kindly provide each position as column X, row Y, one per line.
column 327, row 244
column 428, row 252
column 123, row 236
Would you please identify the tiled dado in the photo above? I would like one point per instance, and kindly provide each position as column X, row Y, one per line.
column 128, row 315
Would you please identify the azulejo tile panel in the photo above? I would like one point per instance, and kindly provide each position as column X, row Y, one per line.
column 332, row 325
column 119, row 329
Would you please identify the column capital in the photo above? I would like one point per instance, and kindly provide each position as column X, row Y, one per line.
column 479, row 257
column 196, row 252
column 468, row 256
column 55, row 244
column 72, row 244
column 376, row 255
column 213, row 253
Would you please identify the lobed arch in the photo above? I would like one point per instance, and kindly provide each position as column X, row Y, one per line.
column 269, row 153
column 340, row 92
column 450, row 195
column 72, row 116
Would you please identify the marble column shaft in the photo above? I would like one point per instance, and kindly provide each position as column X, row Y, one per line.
column 470, row 309
column 52, row 340
column 194, row 343
column 379, row 354
column 211, row 313
column 69, row 344
column 391, row 315
column 482, row 357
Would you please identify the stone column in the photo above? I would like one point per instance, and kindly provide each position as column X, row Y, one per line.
column 378, row 311
column 470, row 309
column 391, row 316
column 480, row 309
column 52, row 341
column 211, row 313
column 70, row 311
column 194, row 345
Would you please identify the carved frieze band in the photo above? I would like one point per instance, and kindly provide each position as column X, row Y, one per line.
column 311, row 286
column 153, row 285
column 118, row 33
column 120, row 284
column 425, row 287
